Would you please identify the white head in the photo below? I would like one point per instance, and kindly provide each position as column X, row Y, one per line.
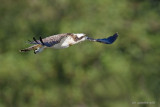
column 80, row 35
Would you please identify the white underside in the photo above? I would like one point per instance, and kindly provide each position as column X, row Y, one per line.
column 66, row 42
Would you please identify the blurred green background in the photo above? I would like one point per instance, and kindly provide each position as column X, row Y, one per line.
column 89, row 74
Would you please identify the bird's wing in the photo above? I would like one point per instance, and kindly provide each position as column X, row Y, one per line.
column 51, row 40
column 108, row 40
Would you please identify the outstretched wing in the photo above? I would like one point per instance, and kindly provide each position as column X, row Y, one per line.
column 51, row 40
column 108, row 40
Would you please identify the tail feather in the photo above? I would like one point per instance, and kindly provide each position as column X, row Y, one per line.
column 24, row 50
column 34, row 47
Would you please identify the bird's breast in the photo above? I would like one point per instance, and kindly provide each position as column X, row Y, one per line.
column 64, row 43
column 68, row 41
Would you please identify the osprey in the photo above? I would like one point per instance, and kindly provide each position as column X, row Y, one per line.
column 65, row 40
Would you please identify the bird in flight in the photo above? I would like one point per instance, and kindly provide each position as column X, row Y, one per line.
column 65, row 40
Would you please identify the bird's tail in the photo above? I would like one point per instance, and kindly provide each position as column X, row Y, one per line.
column 34, row 47
column 108, row 40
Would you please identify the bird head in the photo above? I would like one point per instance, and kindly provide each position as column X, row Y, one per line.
column 81, row 36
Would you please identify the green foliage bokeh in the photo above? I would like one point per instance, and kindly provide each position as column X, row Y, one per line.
column 84, row 75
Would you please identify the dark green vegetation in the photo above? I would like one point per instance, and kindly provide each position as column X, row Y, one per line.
column 84, row 75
